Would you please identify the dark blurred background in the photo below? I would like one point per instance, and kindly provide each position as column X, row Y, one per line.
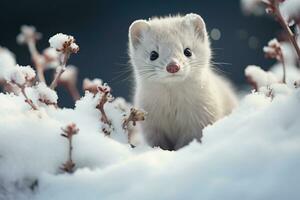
column 100, row 28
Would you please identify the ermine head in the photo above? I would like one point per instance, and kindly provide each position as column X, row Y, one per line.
column 169, row 49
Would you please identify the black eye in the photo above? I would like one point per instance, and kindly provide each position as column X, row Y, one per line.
column 187, row 52
column 154, row 55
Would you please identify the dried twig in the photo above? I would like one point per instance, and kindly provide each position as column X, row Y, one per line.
column 105, row 97
column 68, row 133
column 60, row 70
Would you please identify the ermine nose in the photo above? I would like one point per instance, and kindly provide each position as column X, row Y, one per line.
column 173, row 68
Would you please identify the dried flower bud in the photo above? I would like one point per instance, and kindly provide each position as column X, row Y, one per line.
column 69, row 130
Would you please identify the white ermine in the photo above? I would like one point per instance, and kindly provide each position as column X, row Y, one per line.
column 174, row 80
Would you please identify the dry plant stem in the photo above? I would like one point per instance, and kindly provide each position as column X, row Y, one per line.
column 69, row 132
column 286, row 28
column 65, row 57
column 104, row 117
column 35, row 56
column 27, row 100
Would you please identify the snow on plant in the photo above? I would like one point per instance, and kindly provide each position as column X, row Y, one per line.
column 65, row 45
column 274, row 10
column 45, row 94
column 286, row 12
column 257, row 77
column 273, row 50
column 281, row 51
column 21, row 77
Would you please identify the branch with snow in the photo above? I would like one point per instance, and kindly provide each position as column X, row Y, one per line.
column 274, row 10
column 65, row 45
column 22, row 76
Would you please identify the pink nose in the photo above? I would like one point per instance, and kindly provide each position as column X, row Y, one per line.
column 173, row 68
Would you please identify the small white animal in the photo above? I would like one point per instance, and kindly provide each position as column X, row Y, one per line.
column 175, row 82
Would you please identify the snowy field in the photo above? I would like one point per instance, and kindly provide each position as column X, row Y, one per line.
column 251, row 154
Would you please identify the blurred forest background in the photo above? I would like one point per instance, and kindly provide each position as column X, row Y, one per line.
column 100, row 28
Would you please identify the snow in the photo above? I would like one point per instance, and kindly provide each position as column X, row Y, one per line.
column 7, row 60
column 59, row 41
column 245, row 155
column 259, row 76
column 20, row 74
column 45, row 94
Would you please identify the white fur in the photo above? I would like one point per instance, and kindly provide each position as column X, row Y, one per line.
column 179, row 105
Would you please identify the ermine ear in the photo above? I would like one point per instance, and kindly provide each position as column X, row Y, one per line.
column 197, row 22
column 136, row 29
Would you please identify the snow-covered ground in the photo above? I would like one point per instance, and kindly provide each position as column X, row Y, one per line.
column 251, row 154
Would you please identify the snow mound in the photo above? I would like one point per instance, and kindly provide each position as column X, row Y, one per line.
column 251, row 154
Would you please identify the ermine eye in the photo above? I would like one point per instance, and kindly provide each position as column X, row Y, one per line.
column 187, row 52
column 153, row 55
